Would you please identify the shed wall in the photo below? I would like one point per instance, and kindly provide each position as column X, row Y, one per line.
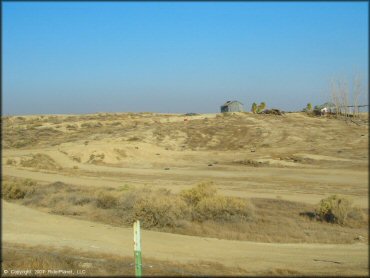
column 232, row 107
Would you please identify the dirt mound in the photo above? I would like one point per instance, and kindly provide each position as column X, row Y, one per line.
column 40, row 161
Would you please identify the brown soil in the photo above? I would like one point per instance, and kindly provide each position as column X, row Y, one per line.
column 283, row 164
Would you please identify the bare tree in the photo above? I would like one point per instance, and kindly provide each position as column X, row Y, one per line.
column 344, row 91
column 334, row 96
column 340, row 94
column 357, row 87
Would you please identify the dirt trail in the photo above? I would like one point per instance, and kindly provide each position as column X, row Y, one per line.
column 31, row 227
column 293, row 185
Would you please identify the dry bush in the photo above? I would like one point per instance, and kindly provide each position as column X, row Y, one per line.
column 221, row 208
column 158, row 210
column 10, row 161
column 13, row 190
column 91, row 125
column 71, row 127
column 356, row 214
column 207, row 205
column 127, row 202
column 212, row 216
column 106, row 201
column 22, row 143
column 121, row 152
column 95, row 158
column 80, row 200
column 134, row 138
column 334, row 209
column 115, row 123
column 194, row 195
column 253, row 163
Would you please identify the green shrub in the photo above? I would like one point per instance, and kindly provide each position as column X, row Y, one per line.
column 261, row 107
column 254, row 108
column 194, row 195
column 309, row 107
column 334, row 209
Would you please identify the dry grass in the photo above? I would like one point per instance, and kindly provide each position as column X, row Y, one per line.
column 40, row 161
column 194, row 195
column 263, row 220
column 205, row 205
column 337, row 209
column 156, row 210
column 199, row 134
column 16, row 256
column 280, row 221
column 13, row 190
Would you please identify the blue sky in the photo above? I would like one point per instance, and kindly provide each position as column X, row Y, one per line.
column 176, row 57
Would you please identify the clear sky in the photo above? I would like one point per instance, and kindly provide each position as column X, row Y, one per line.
column 169, row 57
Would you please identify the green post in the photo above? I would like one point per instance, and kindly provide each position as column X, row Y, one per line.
column 137, row 249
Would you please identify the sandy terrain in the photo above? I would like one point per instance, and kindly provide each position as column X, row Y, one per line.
column 23, row 225
column 292, row 157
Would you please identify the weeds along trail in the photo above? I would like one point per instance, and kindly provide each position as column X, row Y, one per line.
column 57, row 231
column 201, row 210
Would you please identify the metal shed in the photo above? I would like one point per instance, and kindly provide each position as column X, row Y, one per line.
column 232, row 106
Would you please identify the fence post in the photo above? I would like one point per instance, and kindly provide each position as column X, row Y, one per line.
column 137, row 249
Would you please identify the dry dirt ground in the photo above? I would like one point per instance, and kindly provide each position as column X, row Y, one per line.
column 294, row 158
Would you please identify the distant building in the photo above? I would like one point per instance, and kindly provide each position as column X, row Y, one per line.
column 327, row 107
column 232, row 106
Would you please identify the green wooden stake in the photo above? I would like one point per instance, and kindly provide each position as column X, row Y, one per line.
column 137, row 249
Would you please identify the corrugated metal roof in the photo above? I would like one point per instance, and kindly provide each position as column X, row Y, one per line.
column 227, row 103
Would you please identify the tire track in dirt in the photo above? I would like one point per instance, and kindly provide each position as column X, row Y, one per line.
column 32, row 227
column 256, row 183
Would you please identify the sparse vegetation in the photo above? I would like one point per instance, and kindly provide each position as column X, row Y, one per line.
column 91, row 125
column 309, row 107
column 133, row 138
column 10, row 161
column 336, row 209
column 106, row 201
column 125, row 160
column 254, row 108
column 160, row 210
column 40, row 161
column 261, row 107
column 224, row 209
column 18, row 256
column 194, row 195
column 14, row 190
column 198, row 211
column 207, row 205
column 340, row 94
